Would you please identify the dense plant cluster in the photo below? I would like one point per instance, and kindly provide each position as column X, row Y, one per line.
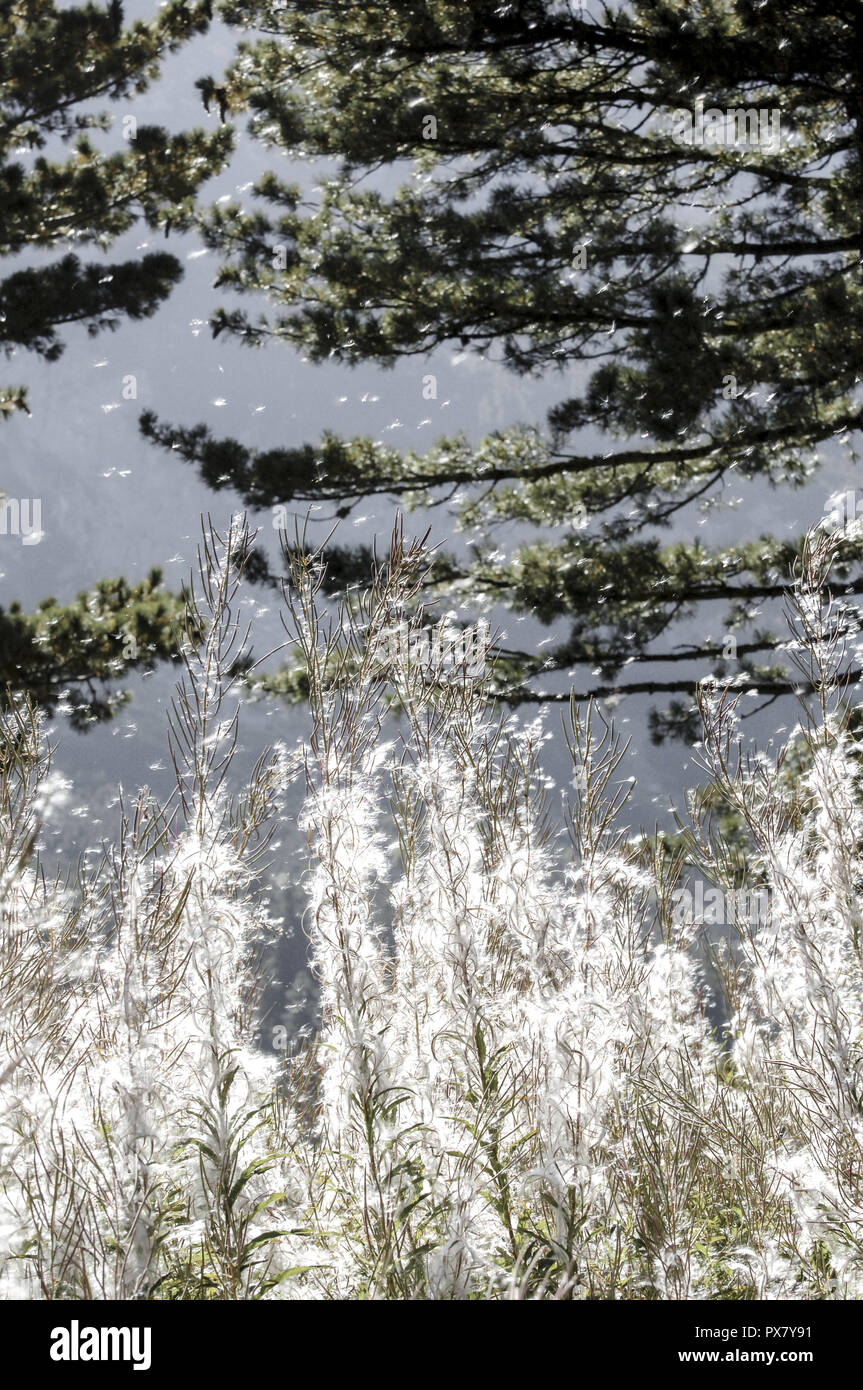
column 520, row 1087
column 540, row 206
column 62, row 193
